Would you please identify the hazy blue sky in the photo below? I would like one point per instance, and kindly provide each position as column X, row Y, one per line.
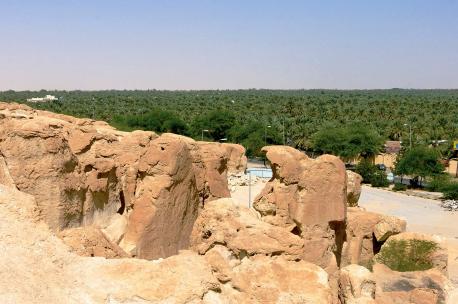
column 228, row 44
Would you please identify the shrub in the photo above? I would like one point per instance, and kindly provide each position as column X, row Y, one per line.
column 379, row 179
column 419, row 161
column 407, row 255
column 366, row 169
column 438, row 183
column 451, row 191
column 399, row 187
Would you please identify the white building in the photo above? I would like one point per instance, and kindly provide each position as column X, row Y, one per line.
column 43, row 99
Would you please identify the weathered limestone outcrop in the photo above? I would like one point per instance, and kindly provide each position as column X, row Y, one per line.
column 210, row 160
column 237, row 161
column 83, row 172
column 90, row 241
column 354, row 181
column 240, row 230
column 419, row 287
column 356, row 285
column 46, row 271
column 265, row 280
column 255, row 262
column 365, row 234
column 308, row 197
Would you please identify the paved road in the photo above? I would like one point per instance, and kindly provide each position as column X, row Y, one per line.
column 422, row 215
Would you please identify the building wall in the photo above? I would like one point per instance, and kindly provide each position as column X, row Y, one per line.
column 451, row 169
column 388, row 159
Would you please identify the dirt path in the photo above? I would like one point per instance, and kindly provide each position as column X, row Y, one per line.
column 422, row 215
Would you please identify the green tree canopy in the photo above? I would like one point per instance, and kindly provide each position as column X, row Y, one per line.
column 348, row 141
column 217, row 122
column 155, row 120
column 254, row 135
column 419, row 161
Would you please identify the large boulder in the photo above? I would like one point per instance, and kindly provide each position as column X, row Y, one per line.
column 239, row 229
column 308, row 197
column 237, row 161
column 166, row 201
column 365, row 234
column 265, row 280
column 354, row 181
column 83, row 172
column 90, row 241
column 356, row 285
column 419, row 287
column 5, row 177
column 210, row 162
column 255, row 262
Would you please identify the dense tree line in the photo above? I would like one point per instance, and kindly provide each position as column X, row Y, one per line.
column 256, row 117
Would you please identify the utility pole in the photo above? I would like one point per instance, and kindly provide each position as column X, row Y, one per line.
column 204, row 130
column 410, row 134
column 284, row 138
column 93, row 108
column 265, row 135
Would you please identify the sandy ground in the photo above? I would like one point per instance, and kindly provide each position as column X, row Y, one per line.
column 422, row 215
column 241, row 194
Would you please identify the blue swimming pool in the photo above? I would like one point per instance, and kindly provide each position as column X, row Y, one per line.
column 260, row 172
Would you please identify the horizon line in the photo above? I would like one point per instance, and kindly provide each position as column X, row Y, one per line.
column 240, row 89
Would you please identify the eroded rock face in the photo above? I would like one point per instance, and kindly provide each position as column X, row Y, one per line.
column 264, row 280
column 354, row 181
column 307, row 196
column 218, row 276
column 90, row 241
column 210, row 160
column 365, row 234
column 422, row 287
column 239, row 229
column 237, row 161
column 82, row 172
column 356, row 285
column 255, row 262
column 45, row 271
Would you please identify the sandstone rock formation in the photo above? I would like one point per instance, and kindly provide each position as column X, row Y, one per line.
column 307, row 196
column 82, row 172
column 239, row 229
column 365, row 234
column 420, row 287
column 46, row 271
column 256, row 262
column 383, row 286
column 90, row 241
column 264, row 280
column 356, row 285
column 237, row 161
column 354, row 181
